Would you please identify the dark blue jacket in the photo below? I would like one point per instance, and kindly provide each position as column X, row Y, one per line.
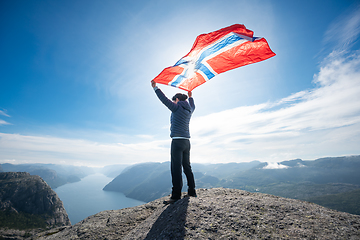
column 180, row 115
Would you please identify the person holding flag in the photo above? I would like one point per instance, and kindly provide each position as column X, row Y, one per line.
column 181, row 111
column 211, row 54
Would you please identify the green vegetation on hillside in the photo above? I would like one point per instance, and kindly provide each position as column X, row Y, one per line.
column 345, row 202
column 21, row 220
column 304, row 191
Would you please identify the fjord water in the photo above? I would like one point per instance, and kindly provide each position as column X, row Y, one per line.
column 85, row 198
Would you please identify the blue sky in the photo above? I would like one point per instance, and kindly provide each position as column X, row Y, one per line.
column 75, row 81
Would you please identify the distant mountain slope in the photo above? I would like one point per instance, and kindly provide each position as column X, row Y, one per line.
column 53, row 174
column 296, row 179
column 224, row 170
column 216, row 214
column 149, row 181
column 145, row 182
column 113, row 170
column 321, row 171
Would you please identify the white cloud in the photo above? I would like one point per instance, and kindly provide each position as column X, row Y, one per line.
column 3, row 122
column 275, row 166
column 45, row 149
column 345, row 30
column 3, row 113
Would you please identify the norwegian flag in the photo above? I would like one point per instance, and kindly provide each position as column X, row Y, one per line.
column 215, row 53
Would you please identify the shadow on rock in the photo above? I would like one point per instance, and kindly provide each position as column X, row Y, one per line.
column 171, row 223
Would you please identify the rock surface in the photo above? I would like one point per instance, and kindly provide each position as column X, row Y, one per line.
column 21, row 192
column 216, row 213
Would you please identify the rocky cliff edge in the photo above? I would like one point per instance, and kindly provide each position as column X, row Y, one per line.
column 22, row 194
column 216, row 213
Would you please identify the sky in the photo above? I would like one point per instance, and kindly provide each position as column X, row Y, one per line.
column 75, row 81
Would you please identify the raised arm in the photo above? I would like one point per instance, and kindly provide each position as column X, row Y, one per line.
column 191, row 101
column 167, row 102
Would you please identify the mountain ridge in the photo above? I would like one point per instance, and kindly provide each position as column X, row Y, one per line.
column 55, row 175
column 296, row 178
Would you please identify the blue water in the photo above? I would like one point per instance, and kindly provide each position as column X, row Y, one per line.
column 86, row 198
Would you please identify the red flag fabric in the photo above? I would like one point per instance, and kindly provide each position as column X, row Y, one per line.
column 215, row 53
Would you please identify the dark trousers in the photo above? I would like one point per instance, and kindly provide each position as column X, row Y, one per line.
column 180, row 158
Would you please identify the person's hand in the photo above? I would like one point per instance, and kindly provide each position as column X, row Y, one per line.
column 190, row 94
column 153, row 83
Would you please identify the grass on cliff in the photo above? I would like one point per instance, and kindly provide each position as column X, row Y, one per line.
column 21, row 221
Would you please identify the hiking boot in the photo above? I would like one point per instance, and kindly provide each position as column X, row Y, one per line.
column 191, row 193
column 171, row 201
